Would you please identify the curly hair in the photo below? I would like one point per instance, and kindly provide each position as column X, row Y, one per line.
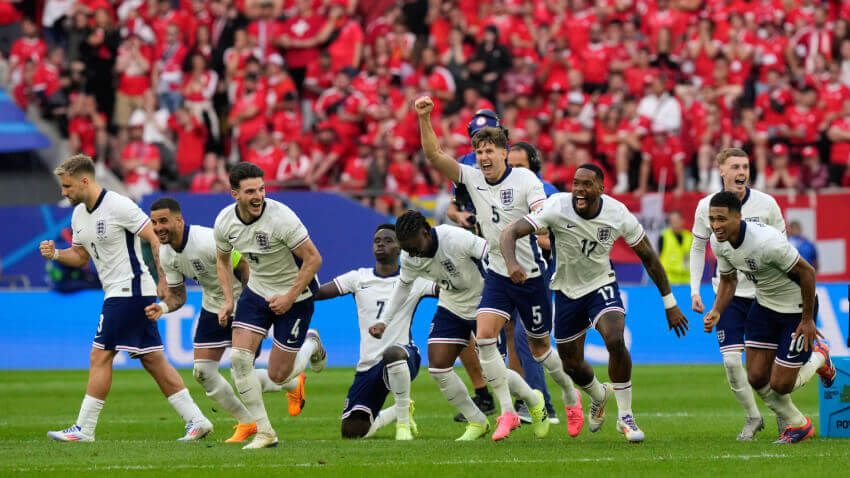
column 409, row 224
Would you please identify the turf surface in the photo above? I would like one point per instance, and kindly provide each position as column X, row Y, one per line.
column 687, row 412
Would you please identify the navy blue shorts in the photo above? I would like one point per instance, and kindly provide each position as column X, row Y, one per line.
column 573, row 317
column 731, row 326
column 532, row 300
column 448, row 328
column 209, row 334
column 771, row 330
column 125, row 327
column 290, row 329
column 370, row 387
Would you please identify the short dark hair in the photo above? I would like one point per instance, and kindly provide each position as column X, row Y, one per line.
column 244, row 171
column 531, row 153
column 410, row 223
column 166, row 202
column 489, row 134
column 726, row 199
column 600, row 175
column 388, row 226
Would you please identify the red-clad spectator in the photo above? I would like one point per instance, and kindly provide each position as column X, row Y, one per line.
column 213, row 172
column 199, row 86
column 740, row 56
column 319, row 76
column 552, row 73
column 534, row 134
column 434, row 80
column 713, row 135
column 265, row 29
column 356, row 172
column 134, row 66
column 839, row 134
column 641, row 74
column 804, row 122
column 771, row 51
column 663, row 156
column 265, row 154
column 278, row 80
column 10, row 24
column 191, row 137
column 301, row 37
column 287, row 122
column 46, row 75
column 801, row 16
column 607, row 137
column 832, row 94
column 343, row 107
column 773, row 104
column 576, row 24
column 248, row 115
column 401, row 173
column 781, row 174
column 165, row 16
column 22, row 91
column 295, row 165
column 325, row 154
column 236, row 57
column 140, row 161
column 559, row 174
column 663, row 17
column 809, row 42
column 814, row 175
column 28, row 47
column 168, row 69
column 615, row 92
column 701, row 50
column 87, row 128
column 572, row 128
column 630, row 135
column 595, row 59
column 347, row 47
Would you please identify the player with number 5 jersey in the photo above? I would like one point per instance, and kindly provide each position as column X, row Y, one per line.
column 502, row 194
column 583, row 226
column 283, row 262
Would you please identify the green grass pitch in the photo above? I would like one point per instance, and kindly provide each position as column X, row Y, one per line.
column 689, row 416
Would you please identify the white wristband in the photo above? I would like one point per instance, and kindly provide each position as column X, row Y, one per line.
column 55, row 254
column 669, row 301
column 164, row 307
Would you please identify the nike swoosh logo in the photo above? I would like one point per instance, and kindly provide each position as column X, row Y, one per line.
column 244, row 392
column 230, row 238
column 480, row 189
column 78, row 231
column 610, row 303
column 792, row 356
column 570, row 226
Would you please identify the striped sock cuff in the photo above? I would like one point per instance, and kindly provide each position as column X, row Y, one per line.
column 622, row 386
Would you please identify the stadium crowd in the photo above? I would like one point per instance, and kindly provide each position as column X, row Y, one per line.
column 171, row 93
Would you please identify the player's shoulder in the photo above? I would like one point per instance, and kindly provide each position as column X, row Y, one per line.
column 762, row 198
column 448, row 233
column 763, row 232
column 166, row 253
column 225, row 215
column 525, row 176
column 703, row 203
column 613, row 208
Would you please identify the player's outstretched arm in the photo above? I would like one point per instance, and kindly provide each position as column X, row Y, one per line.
column 400, row 292
column 311, row 260
column 431, row 145
column 74, row 256
column 676, row 320
column 327, row 291
column 507, row 244
column 224, row 270
column 804, row 274
column 725, row 292
column 697, row 266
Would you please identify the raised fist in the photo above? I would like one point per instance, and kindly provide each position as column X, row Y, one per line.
column 424, row 105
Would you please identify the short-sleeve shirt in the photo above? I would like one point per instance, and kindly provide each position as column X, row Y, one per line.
column 499, row 204
column 582, row 247
column 456, row 267
column 372, row 295
column 109, row 234
column 196, row 258
column 756, row 207
column 266, row 243
column 765, row 257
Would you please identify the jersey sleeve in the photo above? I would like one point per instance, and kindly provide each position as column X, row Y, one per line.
column 539, row 218
column 293, row 232
column 407, row 274
column 775, row 218
column 781, row 254
column 425, row 288
column 472, row 246
column 347, row 283
column 631, row 230
column 131, row 217
column 173, row 277
column 74, row 239
column 701, row 228
column 536, row 195
column 466, row 173
column 221, row 241
column 724, row 267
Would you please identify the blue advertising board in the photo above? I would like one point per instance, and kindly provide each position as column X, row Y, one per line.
column 48, row 330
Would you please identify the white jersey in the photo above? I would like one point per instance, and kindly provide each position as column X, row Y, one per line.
column 582, row 247
column 456, row 267
column 266, row 243
column 109, row 234
column 372, row 294
column 196, row 258
column 765, row 256
column 501, row 203
column 756, row 207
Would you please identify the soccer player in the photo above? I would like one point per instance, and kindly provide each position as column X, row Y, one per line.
column 780, row 325
column 189, row 251
column 451, row 257
column 391, row 362
column 106, row 228
column 756, row 206
column 583, row 226
column 500, row 195
column 283, row 263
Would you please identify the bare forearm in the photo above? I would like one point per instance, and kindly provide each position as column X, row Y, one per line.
column 401, row 291
column 308, row 271
column 176, row 297
column 223, row 268
column 653, row 266
column 72, row 258
column 725, row 292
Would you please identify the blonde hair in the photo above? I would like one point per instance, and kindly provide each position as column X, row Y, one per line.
column 730, row 153
column 77, row 165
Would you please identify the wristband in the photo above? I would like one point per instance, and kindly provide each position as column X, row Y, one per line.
column 55, row 254
column 669, row 301
column 164, row 307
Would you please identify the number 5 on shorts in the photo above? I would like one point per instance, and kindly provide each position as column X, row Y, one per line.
column 538, row 317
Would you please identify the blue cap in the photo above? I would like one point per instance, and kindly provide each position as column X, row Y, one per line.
column 482, row 121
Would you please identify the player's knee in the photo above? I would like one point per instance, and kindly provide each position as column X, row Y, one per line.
column 757, row 378
column 353, row 427
column 616, row 344
column 241, row 361
column 783, row 385
column 538, row 347
column 394, row 353
column 203, row 370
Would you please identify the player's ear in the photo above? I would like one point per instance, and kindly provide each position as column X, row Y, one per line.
column 234, row 193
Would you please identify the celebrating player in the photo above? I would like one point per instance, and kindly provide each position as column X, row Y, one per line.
column 583, row 226
column 756, row 206
column 780, row 325
column 106, row 228
column 388, row 363
column 451, row 257
column 189, row 251
column 283, row 263
column 500, row 195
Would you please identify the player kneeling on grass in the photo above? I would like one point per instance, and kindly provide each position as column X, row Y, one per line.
column 390, row 362
column 106, row 229
column 780, row 326
column 583, row 226
column 189, row 251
